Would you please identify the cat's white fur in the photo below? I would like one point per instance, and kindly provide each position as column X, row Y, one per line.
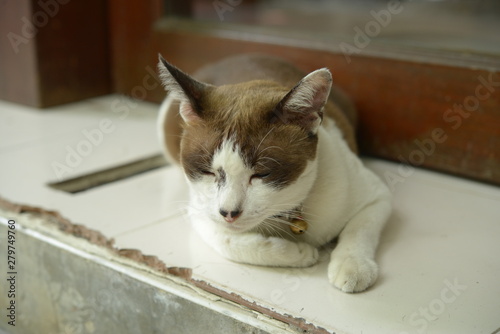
column 340, row 197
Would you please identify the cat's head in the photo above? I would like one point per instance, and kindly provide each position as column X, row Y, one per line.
column 248, row 150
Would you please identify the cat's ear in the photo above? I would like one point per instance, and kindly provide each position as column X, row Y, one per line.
column 303, row 105
column 186, row 89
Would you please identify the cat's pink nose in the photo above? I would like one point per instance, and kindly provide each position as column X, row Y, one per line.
column 230, row 216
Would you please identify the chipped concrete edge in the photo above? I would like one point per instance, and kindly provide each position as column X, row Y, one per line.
column 87, row 242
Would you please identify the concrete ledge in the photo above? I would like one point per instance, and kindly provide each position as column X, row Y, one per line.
column 66, row 284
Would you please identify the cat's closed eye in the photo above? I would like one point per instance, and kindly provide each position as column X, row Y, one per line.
column 206, row 172
column 259, row 176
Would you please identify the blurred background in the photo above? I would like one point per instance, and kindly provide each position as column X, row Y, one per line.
column 461, row 26
column 410, row 66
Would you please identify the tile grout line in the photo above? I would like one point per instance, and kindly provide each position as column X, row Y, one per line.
column 150, row 224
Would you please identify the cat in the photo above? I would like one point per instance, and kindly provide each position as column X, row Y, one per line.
column 262, row 146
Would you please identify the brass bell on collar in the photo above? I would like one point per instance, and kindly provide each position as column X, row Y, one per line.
column 299, row 226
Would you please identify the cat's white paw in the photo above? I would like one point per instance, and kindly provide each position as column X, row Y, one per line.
column 295, row 254
column 352, row 274
column 308, row 255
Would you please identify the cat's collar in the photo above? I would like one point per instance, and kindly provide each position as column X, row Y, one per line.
column 297, row 225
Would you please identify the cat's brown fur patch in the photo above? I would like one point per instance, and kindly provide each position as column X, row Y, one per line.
column 235, row 100
column 247, row 67
column 240, row 113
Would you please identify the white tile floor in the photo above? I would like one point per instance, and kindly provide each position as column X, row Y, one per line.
column 439, row 254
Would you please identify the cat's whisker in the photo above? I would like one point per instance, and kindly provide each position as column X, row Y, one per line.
column 295, row 140
column 281, row 221
column 269, row 229
column 269, row 158
column 270, row 147
column 262, row 140
column 276, row 230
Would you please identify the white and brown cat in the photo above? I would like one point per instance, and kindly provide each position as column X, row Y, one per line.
column 261, row 145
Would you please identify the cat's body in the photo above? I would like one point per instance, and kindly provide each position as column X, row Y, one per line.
column 259, row 147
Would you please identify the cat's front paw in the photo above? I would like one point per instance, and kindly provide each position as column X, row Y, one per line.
column 307, row 255
column 292, row 254
column 352, row 274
